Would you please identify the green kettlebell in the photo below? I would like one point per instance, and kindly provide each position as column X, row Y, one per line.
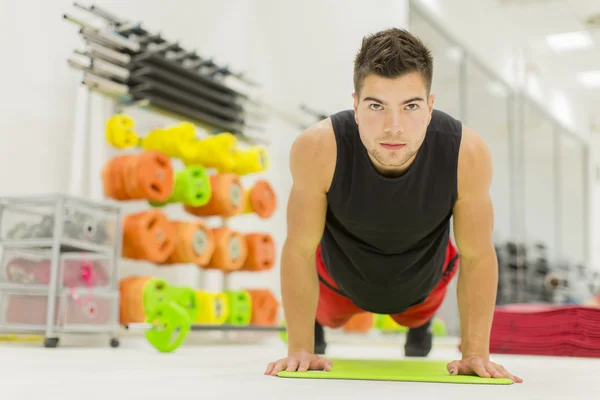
column 192, row 187
column 170, row 326
column 283, row 334
column 156, row 291
column 240, row 308
column 186, row 298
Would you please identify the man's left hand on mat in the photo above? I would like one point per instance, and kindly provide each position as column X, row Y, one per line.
column 480, row 366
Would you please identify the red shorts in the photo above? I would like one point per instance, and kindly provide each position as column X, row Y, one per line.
column 334, row 310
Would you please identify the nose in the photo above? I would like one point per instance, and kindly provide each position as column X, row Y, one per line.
column 394, row 123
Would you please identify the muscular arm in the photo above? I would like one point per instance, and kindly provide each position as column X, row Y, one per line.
column 310, row 163
column 473, row 226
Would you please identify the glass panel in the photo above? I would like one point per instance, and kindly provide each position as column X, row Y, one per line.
column 488, row 113
column 572, row 202
column 539, row 176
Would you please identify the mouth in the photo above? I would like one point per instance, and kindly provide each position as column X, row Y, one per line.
column 393, row 146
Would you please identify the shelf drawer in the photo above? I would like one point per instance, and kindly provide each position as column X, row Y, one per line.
column 33, row 267
column 77, row 310
column 25, row 310
column 81, row 225
column 88, row 309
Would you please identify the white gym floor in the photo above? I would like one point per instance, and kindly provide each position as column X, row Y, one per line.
column 218, row 369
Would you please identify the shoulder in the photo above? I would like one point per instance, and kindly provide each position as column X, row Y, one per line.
column 475, row 168
column 313, row 154
column 442, row 121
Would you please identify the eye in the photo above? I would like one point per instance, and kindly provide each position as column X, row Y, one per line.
column 375, row 107
column 412, row 107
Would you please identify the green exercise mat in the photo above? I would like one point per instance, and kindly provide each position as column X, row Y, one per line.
column 393, row 370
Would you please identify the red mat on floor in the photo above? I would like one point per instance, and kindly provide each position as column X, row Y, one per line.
column 546, row 330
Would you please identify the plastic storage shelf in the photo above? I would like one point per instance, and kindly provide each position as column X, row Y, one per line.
column 58, row 266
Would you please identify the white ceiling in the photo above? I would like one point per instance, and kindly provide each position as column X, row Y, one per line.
column 489, row 28
column 536, row 19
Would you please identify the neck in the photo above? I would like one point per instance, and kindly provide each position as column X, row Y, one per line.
column 394, row 171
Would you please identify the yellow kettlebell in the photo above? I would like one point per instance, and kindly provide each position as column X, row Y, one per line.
column 216, row 152
column 213, row 307
column 255, row 159
column 119, row 131
column 183, row 140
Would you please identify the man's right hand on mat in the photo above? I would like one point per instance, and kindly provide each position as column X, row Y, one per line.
column 300, row 361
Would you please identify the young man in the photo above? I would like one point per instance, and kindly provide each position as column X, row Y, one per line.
column 373, row 192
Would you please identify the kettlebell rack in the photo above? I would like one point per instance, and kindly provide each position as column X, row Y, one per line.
column 58, row 266
column 136, row 67
column 209, row 185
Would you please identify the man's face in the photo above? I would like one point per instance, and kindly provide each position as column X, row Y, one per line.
column 392, row 116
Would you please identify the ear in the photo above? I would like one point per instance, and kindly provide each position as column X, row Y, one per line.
column 430, row 103
column 355, row 97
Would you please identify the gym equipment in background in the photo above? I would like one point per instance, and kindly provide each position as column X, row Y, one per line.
column 131, row 290
column 359, row 323
column 148, row 235
column 214, row 308
column 265, row 307
column 261, row 252
column 227, row 197
column 194, row 243
column 168, row 312
column 148, row 175
column 393, row 370
column 230, row 252
column 192, row 187
column 260, row 199
column 126, row 62
column 386, row 324
column 546, row 330
column 365, row 322
column 136, row 67
column 170, row 326
column 219, row 151
column 73, row 240
column 528, row 275
column 151, row 236
column 240, row 307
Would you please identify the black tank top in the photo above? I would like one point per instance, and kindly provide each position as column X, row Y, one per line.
column 385, row 239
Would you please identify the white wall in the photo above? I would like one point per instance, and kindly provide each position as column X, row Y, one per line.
column 301, row 52
column 594, row 220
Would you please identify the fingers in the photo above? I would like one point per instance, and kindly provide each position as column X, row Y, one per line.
column 323, row 364
column 479, row 368
column 506, row 374
column 493, row 371
column 301, row 364
column 304, row 365
column 292, row 365
column 269, row 369
column 278, row 367
column 453, row 367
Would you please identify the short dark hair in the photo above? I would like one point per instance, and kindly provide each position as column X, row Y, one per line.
column 392, row 53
